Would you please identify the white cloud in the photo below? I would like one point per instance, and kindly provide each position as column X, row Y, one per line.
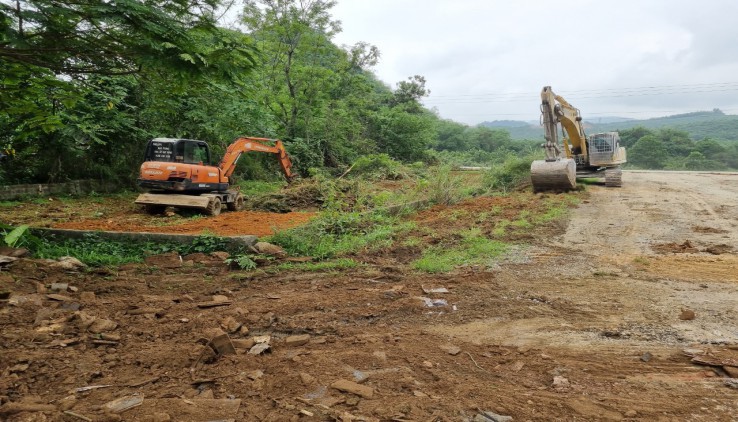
column 487, row 60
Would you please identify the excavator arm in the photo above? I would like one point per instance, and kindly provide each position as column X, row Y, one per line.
column 555, row 109
column 240, row 145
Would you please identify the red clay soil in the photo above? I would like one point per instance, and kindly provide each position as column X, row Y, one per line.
column 227, row 224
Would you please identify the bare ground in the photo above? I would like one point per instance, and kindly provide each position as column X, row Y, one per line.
column 584, row 325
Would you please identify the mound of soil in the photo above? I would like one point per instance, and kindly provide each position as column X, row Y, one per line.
column 673, row 247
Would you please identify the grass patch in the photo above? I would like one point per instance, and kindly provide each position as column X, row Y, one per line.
column 95, row 251
column 640, row 260
column 474, row 249
column 259, row 187
column 331, row 265
column 412, row 242
column 336, row 233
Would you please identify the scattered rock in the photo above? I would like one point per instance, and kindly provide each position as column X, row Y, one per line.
column 122, row 404
column 87, row 296
column 631, row 414
column 255, row 375
column 221, row 343
column 262, row 339
column 259, row 348
column 59, row 298
column 4, row 259
column 158, row 417
column 243, row 343
column 21, row 367
column 687, row 315
column 100, row 325
column 560, row 383
column 230, row 325
column 145, row 311
column 347, row 386
column 433, row 303
column 430, row 290
column 646, row 357
column 220, row 298
column 491, row 417
column 217, row 300
column 381, row 355
column 265, row 248
column 450, row 349
column 299, row 340
column 12, row 408
column 428, row 364
column 731, row 370
column 68, row 263
column 306, row 378
column 730, row 382
column 14, row 252
column 220, row 255
column 59, row 287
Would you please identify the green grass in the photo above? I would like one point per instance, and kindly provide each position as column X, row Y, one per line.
column 259, row 187
column 330, row 265
column 94, row 251
column 335, row 233
column 6, row 204
column 474, row 249
column 412, row 242
column 501, row 228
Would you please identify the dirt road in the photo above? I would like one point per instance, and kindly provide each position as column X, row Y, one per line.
column 581, row 326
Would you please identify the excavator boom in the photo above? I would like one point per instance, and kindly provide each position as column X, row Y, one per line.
column 242, row 145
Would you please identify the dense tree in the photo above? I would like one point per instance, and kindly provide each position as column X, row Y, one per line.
column 294, row 38
column 118, row 37
column 648, row 152
column 50, row 49
column 628, row 137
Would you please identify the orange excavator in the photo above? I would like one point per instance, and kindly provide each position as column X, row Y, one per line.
column 177, row 173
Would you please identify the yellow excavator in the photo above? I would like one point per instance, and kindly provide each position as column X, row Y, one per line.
column 596, row 155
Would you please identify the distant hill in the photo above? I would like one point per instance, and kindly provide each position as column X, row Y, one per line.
column 700, row 124
column 504, row 123
column 608, row 119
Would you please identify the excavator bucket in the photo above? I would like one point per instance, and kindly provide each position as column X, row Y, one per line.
column 559, row 175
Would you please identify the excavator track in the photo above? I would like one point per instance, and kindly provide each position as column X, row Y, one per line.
column 559, row 175
column 614, row 177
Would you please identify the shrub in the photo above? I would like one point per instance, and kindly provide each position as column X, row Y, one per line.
column 378, row 167
column 513, row 172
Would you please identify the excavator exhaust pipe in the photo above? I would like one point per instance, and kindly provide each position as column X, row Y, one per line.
column 559, row 175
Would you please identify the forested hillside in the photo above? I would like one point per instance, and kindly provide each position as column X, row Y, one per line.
column 699, row 125
column 85, row 85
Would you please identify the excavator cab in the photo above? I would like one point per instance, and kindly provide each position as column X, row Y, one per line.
column 187, row 151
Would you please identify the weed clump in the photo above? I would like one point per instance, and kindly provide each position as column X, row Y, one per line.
column 377, row 167
column 512, row 173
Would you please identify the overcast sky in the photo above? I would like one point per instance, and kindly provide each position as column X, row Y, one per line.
column 489, row 59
